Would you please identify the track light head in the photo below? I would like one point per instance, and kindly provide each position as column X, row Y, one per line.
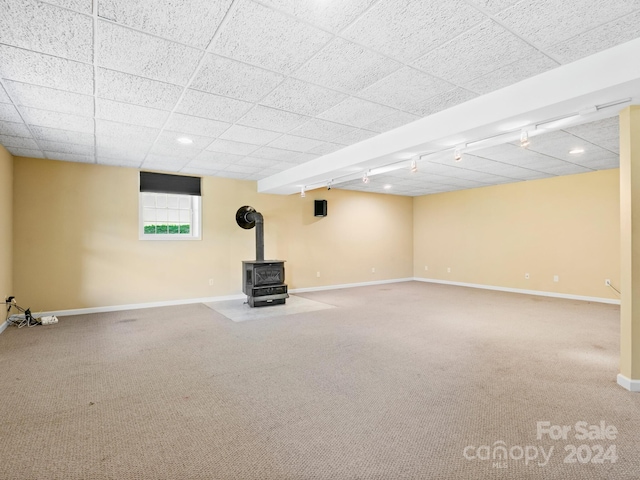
column 414, row 166
column 457, row 154
column 524, row 139
column 302, row 192
column 365, row 178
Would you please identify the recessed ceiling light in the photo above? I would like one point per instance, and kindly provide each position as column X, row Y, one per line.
column 576, row 151
column 387, row 187
column 185, row 141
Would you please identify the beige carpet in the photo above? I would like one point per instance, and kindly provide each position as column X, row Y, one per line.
column 393, row 383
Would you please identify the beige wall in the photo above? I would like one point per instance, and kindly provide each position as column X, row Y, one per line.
column 77, row 246
column 567, row 226
column 6, row 229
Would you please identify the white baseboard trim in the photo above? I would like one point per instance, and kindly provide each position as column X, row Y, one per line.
column 116, row 308
column 631, row 385
column 539, row 293
column 349, row 285
column 3, row 326
column 136, row 306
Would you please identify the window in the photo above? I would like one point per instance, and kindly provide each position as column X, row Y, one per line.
column 170, row 207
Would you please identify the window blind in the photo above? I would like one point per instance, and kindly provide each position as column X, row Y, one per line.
column 164, row 183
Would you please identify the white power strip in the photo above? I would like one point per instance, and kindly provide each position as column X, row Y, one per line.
column 48, row 320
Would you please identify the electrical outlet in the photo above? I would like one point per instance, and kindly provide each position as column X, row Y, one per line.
column 556, row 278
column 448, row 269
column 211, row 282
column 526, row 276
column 373, row 270
column 607, row 282
column 318, row 274
column 426, row 268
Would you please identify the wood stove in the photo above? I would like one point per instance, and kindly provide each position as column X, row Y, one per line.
column 262, row 280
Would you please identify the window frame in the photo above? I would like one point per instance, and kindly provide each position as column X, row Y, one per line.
column 196, row 221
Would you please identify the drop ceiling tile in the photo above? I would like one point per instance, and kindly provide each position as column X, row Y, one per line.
column 233, row 175
column 494, row 6
column 129, row 151
column 345, row 66
column 416, row 87
column 175, row 151
column 205, row 172
column 39, row 69
column 59, row 147
column 9, row 113
column 298, row 144
column 406, row 29
column 325, row 148
column 355, row 136
column 169, row 137
column 596, row 132
column 123, row 87
column 70, row 157
column 14, row 129
column 4, row 98
column 44, row 28
column 210, row 106
column 50, row 99
column 443, row 101
column 18, row 142
column 479, row 164
column 195, row 125
column 125, row 132
column 318, row 129
column 25, row 152
column 192, row 22
column 245, row 169
column 277, row 154
column 226, row 146
column 272, row 119
column 258, row 163
column 523, row 157
column 478, row 51
column 83, row 6
column 303, row 98
column 264, row 37
column 118, row 162
column 152, row 57
column 300, row 157
column 395, row 120
column 356, row 112
column 548, row 22
column 218, row 160
column 65, row 136
column 132, row 114
column 600, row 38
column 164, row 163
column 603, row 163
column 65, row 121
column 239, row 133
column 558, row 144
column 515, row 72
column 230, row 78
column 333, row 16
column 612, row 144
column 565, row 168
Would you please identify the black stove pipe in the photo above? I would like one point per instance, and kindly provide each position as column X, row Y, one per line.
column 257, row 217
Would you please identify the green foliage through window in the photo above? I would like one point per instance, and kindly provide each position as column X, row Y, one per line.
column 164, row 229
